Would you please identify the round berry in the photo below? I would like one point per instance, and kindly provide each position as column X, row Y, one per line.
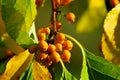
column 47, row 30
column 8, row 52
column 65, row 56
column 51, row 48
column 41, row 36
column 48, row 62
column 67, row 45
column 40, row 30
column 32, row 49
column 70, row 17
column 43, row 45
column 58, row 25
column 114, row 2
column 65, row 2
column 58, row 47
column 60, row 37
column 38, row 2
column 57, row 2
column 55, row 57
column 41, row 56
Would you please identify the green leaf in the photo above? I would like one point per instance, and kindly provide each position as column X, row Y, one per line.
column 3, row 65
column 18, row 16
column 84, row 74
column 101, row 65
column 95, row 75
column 27, row 75
column 97, row 64
column 66, row 75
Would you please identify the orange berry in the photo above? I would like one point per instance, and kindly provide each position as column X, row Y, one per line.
column 68, row 45
column 55, row 57
column 65, row 2
column 47, row 30
column 32, row 49
column 51, row 48
column 65, row 56
column 48, row 62
column 8, row 52
column 41, row 36
column 114, row 2
column 58, row 25
column 43, row 45
column 60, row 37
column 38, row 2
column 40, row 30
column 57, row 2
column 58, row 47
column 41, row 57
column 70, row 17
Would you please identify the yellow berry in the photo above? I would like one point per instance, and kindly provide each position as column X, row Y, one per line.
column 70, row 17
column 65, row 56
column 43, row 45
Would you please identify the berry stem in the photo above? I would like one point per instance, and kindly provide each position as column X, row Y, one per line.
column 54, row 14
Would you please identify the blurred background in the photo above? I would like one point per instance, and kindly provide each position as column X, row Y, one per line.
column 87, row 29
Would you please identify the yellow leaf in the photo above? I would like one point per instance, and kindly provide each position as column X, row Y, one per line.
column 40, row 72
column 16, row 66
column 111, row 36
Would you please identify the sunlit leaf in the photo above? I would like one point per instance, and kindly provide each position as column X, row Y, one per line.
column 16, row 66
column 110, row 38
column 18, row 16
column 6, row 40
column 93, row 17
column 84, row 73
column 102, row 66
column 40, row 72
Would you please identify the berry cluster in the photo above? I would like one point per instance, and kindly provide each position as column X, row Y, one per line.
column 50, row 51
column 53, row 45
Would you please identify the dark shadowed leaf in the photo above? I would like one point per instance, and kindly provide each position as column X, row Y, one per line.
column 3, row 65
column 66, row 75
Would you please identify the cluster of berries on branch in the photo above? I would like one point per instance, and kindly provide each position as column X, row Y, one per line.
column 53, row 45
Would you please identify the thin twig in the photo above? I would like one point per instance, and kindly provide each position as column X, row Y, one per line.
column 54, row 14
